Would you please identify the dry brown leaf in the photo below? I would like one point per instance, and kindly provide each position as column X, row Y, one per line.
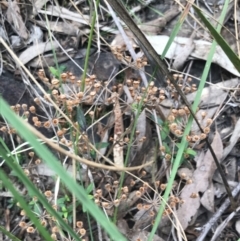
column 207, row 200
column 118, row 131
column 182, row 58
column 60, row 27
column 202, row 178
column 133, row 234
column 37, row 50
column 14, row 17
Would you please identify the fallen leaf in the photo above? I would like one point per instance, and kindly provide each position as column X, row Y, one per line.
column 202, row 178
column 118, row 131
column 14, row 17
column 200, row 51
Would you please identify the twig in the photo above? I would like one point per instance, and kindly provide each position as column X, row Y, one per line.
column 127, row 42
column 217, row 215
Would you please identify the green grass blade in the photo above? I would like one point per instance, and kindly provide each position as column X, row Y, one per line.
column 8, row 234
column 21, row 200
column 54, row 164
column 175, row 30
column 220, row 40
column 187, row 130
column 34, row 191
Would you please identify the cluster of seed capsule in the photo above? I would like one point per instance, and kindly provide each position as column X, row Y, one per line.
column 178, row 119
column 48, row 221
column 120, row 54
column 184, row 83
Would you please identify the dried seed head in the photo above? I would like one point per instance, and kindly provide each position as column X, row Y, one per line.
column 43, row 222
column 203, row 114
column 181, row 112
column 138, row 194
column 116, row 202
column 22, row 224
column 203, row 136
column 162, row 148
column 24, row 107
column 195, row 138
column 73, row 79
column 163, row 186
column 189, row 181
column 194, row 195
column 47, row 124
column 168, row 157
column 132, row 183
column 162, row 97
column 3, row 129
column 139, row 206
column 183, row 175
column 55, row 122
column 206, row 130
column 174, row 112
column 30, row 230
column 139, row 98
column 34, row 119
column 48, row 194
column 178, row 132
column 82, row 231
column 37, row 101
column 209, row 122
column 55, row 93
column 79, row 224
column 123, row 197
column 38, row 123
column 38, row 161
column 173, row 126
column 47, row 97
column 189, row 138
column 64, row 77
column 32, row 109
column 146, row 206
column 31, row 154
column 99, row 192
column 55, row 82
column 91, row 114
column 125, row 189
column 23, row 213
column 115, row 184
column 175, row 76
column 26, row 114
column 108, row 187
column 55, row 229
column 105, row 205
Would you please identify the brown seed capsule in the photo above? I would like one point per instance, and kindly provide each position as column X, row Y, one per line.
column 194, row 195
column 206, row 130
column 64, row 77
column 32, row 109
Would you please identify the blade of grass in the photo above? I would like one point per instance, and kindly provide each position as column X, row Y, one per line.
column 220, row 40
column 54, row 164
column 8, row 234
column 32, row 189
column 5, row 179
column 176, row 28
column 187, row 129
column 89, row 47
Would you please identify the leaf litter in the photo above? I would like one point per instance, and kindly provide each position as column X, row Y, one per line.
column 198, row 188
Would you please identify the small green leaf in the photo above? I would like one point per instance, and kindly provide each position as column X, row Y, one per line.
column 220, row 40
column 191, row 152
column 90, row 188
column 81, row 119
column 100, row 145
